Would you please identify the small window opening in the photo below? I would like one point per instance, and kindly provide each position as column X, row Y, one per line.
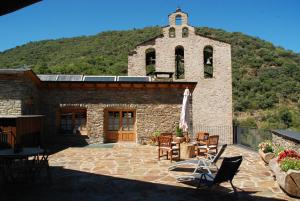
column 178, row 20
column 150, row 61
column 172, row 33
column 185, row 32
column 208, row 62
column 179, row 62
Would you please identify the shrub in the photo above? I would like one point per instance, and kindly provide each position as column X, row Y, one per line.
column 156, row 134
column 290, row 164
column 179, row 132
column 266, row 146
column 288, row 154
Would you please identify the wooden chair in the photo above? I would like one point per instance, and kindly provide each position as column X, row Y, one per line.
column 212, row 144
column 167, row 134
column 202, row 138
column 165, row 144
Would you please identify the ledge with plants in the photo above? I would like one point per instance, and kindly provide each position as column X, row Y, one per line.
column 266, row 151
column 286, row 168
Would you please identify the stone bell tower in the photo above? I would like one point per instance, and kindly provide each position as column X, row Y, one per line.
column 191, row 56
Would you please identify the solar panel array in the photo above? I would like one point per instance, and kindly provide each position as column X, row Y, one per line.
column 94, row 78
column 69, row 78
column 134, row 79
column 48, row 77
column 91, row 78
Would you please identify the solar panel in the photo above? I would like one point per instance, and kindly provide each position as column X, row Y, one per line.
column 91, row 78
column 69, row 78
column 48, row 77
column 134, row 78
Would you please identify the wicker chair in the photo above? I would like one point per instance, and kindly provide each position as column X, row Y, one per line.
column 165, row 144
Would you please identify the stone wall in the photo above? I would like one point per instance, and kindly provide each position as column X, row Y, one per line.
column 212, row 98
column 156, row 109
column 286, row 142
column 18, row 95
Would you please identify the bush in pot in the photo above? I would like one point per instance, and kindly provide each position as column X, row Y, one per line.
column 287, row 171
column 266, row 150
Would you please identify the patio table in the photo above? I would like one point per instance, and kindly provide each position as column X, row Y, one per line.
column 24, row 153
column 12, row 164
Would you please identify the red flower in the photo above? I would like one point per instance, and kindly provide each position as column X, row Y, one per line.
column 288, row 153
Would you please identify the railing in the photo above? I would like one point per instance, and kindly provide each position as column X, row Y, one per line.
column 225, row 132
column 7, row 139
column 250, row 137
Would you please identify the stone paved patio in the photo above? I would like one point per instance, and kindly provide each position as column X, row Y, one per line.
column 132, row 172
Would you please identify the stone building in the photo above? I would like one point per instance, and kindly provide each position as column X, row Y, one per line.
column 192, row 57
column 91, row 108
column 110, row 108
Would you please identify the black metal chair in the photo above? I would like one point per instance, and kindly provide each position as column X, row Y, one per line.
column 226, row 172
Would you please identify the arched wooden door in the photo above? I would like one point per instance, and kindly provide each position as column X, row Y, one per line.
column 120, row 125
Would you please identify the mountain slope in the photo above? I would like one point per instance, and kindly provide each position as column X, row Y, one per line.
column 266, row 79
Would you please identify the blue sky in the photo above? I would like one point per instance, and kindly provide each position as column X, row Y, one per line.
column 277, row 21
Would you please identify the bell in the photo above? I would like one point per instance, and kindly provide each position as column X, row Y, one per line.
column 208, row 61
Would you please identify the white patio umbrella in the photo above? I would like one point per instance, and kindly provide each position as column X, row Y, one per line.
column 184, row 115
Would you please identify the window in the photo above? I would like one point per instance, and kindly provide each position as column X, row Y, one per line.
column 179, row 62
column 208, row 62
column 185, row 32
column 73, row 121
column 172, row 33
column 120, row 120
column 113, row 121
column 150, row 61
column 127, row 121
column 178, row 20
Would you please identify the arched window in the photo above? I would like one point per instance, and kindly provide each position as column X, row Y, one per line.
column 179, row 62
column 208, row 62
column 172, row 33
column 150, row 61
column 178, row 20
column 185, row 32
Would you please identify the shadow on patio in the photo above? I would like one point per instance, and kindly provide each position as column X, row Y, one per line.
column 77, row 185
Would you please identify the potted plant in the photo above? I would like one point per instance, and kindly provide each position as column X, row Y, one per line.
column 266, row 151
column 179, row 134
column 154, row 137
column 286, row 168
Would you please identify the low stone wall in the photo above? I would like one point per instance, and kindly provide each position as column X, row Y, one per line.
column 285, row 141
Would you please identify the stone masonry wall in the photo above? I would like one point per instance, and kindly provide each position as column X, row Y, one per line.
column 156, row 109
column 212, row 98
column 18, row 95
column 286, row 142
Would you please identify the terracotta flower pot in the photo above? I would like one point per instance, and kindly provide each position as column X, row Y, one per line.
column 266, row 156
column 289, row 181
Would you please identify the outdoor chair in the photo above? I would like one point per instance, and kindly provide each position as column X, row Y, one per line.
column 165, row 144
column 202, row 163
column 202, row 138
column 39, row 167
column 226, row 173
column 212, row 144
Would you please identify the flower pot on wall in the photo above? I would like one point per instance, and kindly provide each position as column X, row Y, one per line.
column 289, row 181
column 266, row 156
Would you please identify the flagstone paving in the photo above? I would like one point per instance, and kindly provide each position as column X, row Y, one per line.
column 132, row 172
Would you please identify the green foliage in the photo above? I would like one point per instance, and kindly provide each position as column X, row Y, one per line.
column 178, row 131
column 290, row 164
column 249, row 122
column 156, row 134
column 264, row 76
column 278, row 149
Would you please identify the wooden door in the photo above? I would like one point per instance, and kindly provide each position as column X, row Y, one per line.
column 120, row 125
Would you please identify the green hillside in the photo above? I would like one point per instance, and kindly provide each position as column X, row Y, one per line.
column 266, row 78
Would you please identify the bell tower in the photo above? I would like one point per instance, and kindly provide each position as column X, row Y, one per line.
column 178, row 18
